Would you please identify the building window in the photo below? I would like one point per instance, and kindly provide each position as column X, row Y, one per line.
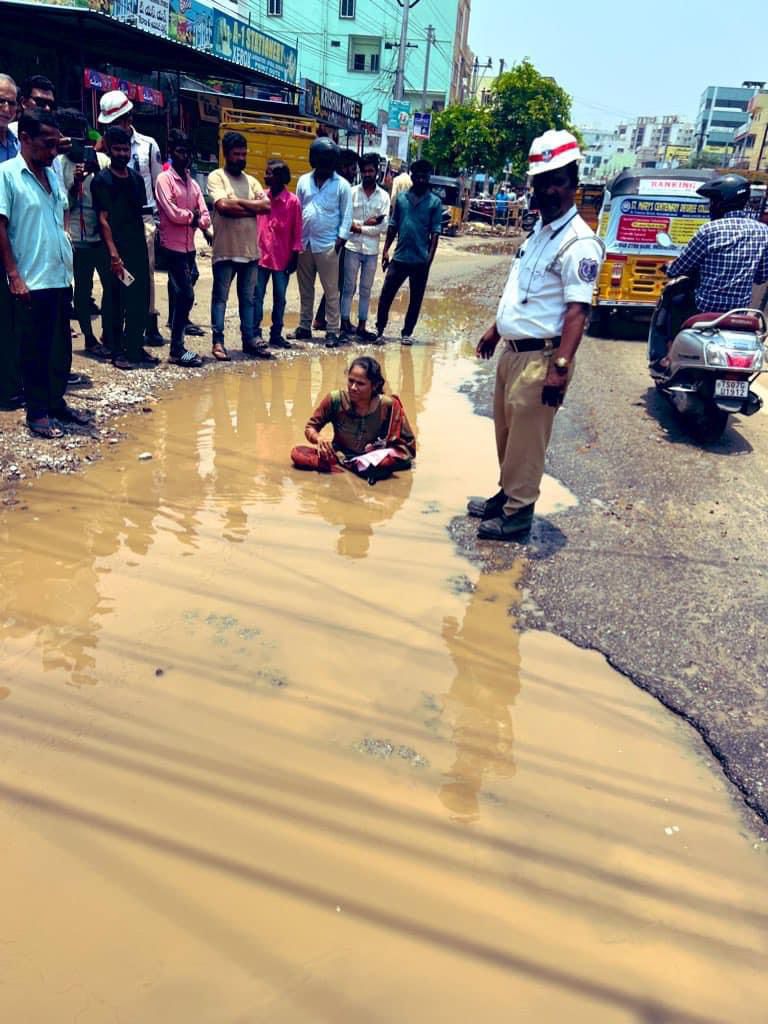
column 346, row 8
column 275, row 8
column 364, row 53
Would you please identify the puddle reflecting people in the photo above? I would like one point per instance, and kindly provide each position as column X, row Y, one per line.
column 371, row 432
column 37, row 257
column 119, row 198
column 540, row 322
column 280, row 245
column 182, row 211
column 370, row 219
column 238, row 199
column 11, row 388
column 486, row 653
column 326, row 210
column 416, row 220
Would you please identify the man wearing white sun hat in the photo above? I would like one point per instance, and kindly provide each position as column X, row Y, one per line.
column 540, row 322
column 116, row 109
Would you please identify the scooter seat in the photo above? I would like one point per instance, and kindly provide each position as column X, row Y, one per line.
column 735, row 322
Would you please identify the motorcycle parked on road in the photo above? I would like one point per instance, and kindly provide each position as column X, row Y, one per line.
column 713, row 360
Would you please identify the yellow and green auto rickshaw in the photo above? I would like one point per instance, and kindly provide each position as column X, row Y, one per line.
column 638, row 205
column 450, row 191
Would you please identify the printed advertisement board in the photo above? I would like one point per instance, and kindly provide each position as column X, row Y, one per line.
column 235, row 41
column 399, row 115
column 634, row 222
column 422, row 126
column 191, row 24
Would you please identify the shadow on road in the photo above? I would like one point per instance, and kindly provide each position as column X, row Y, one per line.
column 730, row 443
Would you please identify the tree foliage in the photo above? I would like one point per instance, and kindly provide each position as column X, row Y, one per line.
column 524, row 103
column 461, row 138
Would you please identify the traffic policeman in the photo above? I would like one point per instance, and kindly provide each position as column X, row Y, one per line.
column 539, row 324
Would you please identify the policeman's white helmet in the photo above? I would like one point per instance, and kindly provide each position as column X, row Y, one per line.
column 113, row 106
column 552, row 150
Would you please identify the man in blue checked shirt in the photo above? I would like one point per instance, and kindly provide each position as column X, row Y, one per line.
column 326, row 212
column 730, row 254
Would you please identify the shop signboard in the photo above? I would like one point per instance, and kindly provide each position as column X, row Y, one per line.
column 329, row 106
column 191, row 23
column 152, row 17
column 399, row 115
column 237, row 42
column 135, row 92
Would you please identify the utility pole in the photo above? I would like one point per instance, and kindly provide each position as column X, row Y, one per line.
column 476, row 73
column 425, row 90
column 502, row 65
column 430, row 41
column 399, row 92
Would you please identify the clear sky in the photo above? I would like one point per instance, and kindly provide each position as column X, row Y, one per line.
column 619, row 60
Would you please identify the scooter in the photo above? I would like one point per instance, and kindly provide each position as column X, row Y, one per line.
column 707, row 371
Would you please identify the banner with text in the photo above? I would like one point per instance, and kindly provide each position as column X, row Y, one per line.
column 235, row 41
column 329, row 106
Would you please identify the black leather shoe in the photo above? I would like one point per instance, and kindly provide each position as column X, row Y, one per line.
column 301, row 334
column 193, row 331
column 487, row 508
column 507, row 527
column 152, row 336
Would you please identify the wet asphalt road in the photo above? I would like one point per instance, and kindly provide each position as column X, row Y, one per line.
column 662, row 567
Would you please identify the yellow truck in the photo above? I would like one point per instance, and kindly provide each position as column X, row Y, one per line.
column 272, row 137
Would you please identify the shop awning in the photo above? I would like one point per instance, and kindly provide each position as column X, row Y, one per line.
column 105, row 41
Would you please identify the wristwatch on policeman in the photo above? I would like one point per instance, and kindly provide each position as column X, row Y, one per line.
column 561, row 364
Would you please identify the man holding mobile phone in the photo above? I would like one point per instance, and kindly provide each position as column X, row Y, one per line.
column 119, row 197
column 78, row 167
column 182, row 211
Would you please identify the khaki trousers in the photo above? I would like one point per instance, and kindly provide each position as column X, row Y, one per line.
column 523, row 425
column 149, row 234
column 326, row 265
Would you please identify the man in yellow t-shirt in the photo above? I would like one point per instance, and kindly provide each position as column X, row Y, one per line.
column 238, row 199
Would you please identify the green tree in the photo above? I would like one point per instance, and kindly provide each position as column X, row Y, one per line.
column 524, row 104
column 461, row 139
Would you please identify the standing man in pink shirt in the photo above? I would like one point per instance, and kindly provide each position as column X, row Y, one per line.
column 182, row 211
column 280, row 245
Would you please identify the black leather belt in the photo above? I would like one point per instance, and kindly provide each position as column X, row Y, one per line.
column 534, row 344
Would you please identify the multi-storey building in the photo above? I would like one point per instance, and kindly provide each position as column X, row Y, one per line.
column 722, row 112
column 750, row 143
column 351, row 47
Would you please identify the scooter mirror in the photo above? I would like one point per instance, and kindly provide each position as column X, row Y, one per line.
column 664, row 240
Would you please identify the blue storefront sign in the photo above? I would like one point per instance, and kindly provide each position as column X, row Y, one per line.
column 235, row 41
column 191, row 23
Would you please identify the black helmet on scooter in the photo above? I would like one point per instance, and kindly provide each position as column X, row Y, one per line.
column 727, row 192
column 323, row 153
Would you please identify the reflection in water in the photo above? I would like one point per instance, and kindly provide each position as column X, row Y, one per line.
column 212, row 812
column 486, row 652
column 222, row 446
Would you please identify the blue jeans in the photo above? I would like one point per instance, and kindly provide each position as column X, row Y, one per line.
column 354, row 261
column 224, row 271
column 280, row 280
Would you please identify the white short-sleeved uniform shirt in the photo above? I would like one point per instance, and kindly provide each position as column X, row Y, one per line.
column 558, row 264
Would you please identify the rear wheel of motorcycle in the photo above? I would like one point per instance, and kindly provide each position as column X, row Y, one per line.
column 710, row 425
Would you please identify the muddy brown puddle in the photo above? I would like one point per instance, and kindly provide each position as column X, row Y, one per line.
column 273, row 751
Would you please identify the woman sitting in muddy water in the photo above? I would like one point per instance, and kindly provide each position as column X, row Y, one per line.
column 371, row 433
